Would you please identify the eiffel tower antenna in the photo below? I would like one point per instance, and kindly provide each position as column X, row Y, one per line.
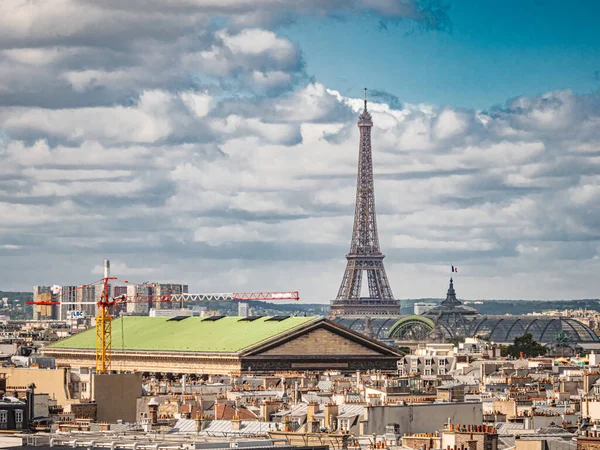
column 365, row 256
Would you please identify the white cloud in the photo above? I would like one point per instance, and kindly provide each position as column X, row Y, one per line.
column 449, row 123
column 284, row 190
column 145, row 133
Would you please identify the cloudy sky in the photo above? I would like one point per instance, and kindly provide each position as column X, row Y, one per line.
column 214, row 142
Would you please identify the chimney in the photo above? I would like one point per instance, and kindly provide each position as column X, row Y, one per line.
column 236, row 424
column 311, row 409
column 153, row 409
column 30, row 396
column 472, row 444
column 331, row 413
column 296, row 392
column 266, row 409
column 106, row 268
column 200, row 423
column 312, row 424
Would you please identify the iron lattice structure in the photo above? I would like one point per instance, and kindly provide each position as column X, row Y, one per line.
column 365, row 256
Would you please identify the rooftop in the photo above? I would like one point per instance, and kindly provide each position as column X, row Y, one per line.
column 192, row 334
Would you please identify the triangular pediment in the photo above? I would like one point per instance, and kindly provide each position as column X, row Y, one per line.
column 321, row 342
column 322, row 338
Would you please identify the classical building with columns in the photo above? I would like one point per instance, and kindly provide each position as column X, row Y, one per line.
column 228, row 346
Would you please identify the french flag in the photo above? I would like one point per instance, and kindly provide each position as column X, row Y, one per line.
column 454, row 269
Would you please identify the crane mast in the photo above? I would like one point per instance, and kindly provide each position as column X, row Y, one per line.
column 104, row 324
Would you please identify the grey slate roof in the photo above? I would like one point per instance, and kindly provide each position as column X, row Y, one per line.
column 508, row 427
column 315, row 397
column 326, row 386
column 348, row 411
column 223, row 428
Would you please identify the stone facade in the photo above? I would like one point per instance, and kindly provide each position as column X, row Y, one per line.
column 84, row 410
column 478, row 437
column 589, row 442
column 320, row 345
column 116, row 396
column 417, row 441
column 323, row 341
column 141, row 361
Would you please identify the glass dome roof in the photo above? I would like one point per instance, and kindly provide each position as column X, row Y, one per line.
column 452, row 319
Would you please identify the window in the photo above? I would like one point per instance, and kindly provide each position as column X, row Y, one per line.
column 442, row 362
column 441, row 371
column 3, row 416
column 83, row 387
column 18, row 419
column 427, row 371
column 428, row 362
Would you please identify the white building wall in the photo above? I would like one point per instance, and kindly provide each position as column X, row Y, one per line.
column 422, row 307
column 420, row 418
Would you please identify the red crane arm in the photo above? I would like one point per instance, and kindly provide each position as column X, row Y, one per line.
column 212, row 297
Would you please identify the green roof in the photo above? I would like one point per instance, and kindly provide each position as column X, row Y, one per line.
column 192, row 334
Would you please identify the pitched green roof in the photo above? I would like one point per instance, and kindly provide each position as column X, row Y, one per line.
column 193, row 334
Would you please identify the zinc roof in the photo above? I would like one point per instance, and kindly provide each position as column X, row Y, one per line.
column 223, row 428
column 193, row 334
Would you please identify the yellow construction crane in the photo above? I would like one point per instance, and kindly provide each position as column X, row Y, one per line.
column 104, row 317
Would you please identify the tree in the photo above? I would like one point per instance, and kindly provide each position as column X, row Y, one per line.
column 456, row 340
column 527, row 346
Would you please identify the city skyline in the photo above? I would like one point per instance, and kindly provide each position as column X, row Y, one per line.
column 217, row 145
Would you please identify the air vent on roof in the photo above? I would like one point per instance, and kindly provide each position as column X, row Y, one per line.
column 276, row 318
column 249, row 318
column 212, row 318
column 177, row 318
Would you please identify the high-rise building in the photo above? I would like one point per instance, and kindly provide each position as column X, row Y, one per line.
column 66, row 294
column 141, row 298
column 163, row 290
column 138, row 298
column 120, row 307
column 119, row 291
column 243, row 309
column 365, row 256
column 43, row 312
column 58, row 294
column 88, row 297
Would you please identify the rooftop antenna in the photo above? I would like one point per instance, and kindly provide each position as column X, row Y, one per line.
column 365, row 99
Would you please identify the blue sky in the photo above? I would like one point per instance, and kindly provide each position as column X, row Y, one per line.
column 495, row 50
column 215, row 143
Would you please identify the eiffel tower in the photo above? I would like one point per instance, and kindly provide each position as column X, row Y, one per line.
column 365, row 255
